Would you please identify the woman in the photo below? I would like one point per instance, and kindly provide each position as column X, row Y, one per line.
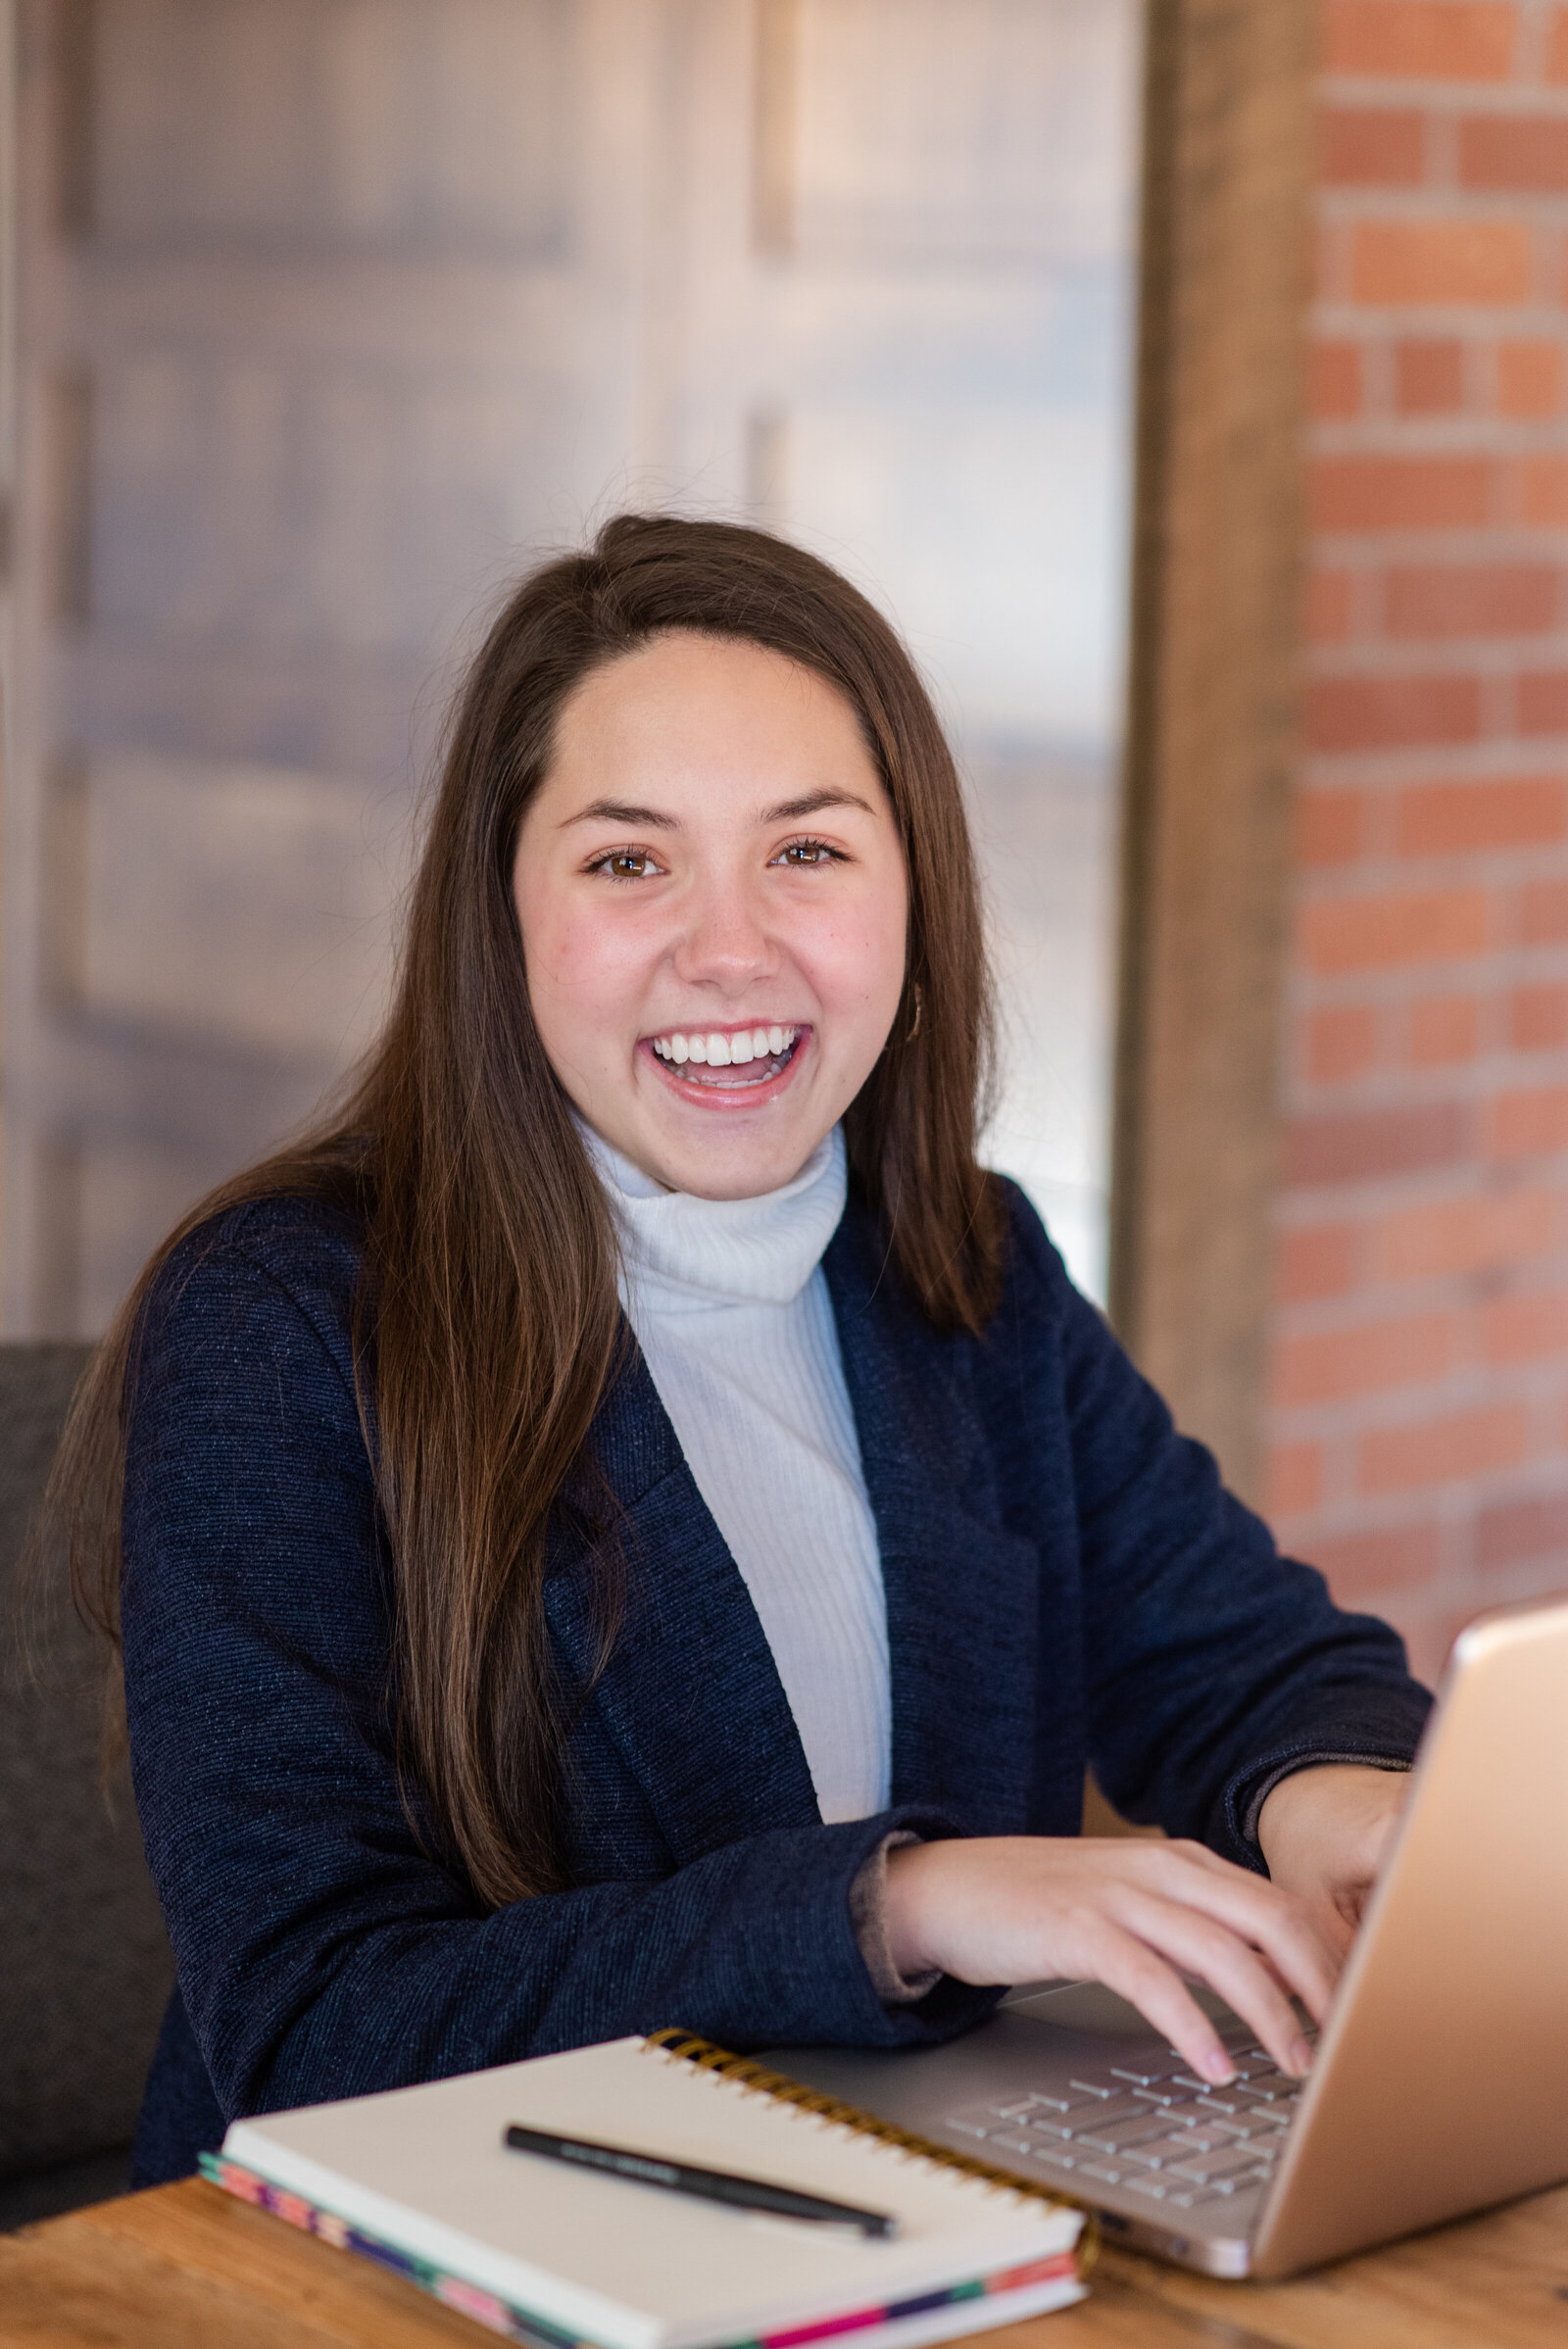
column 505, row 1669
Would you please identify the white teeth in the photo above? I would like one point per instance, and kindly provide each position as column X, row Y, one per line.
column 724, row 1052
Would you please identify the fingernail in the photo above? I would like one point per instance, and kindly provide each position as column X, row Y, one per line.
column 1218, row 2068
column 1301, row 2058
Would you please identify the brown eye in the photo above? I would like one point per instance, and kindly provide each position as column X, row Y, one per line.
column 807, row 852
column 626, row 865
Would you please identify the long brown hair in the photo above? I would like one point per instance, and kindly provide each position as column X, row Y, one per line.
column 489, row 1325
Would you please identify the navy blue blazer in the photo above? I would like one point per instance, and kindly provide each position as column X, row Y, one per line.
column 1067, row 1579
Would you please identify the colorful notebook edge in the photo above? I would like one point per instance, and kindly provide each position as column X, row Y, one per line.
column 520, row 2324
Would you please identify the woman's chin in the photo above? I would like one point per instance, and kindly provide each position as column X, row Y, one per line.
column 728, row 1156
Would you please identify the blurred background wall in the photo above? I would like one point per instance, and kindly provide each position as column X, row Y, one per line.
column 1419, row 1414
column 327, row 313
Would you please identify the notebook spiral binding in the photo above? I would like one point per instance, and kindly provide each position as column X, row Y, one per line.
column 684, row 2044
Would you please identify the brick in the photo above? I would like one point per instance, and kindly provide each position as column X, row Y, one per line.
column 1542, row 702
column 1386, row 1557
column 1543, row 491
column 1472, row 599
column 1375, row 932
column 1464, row 819
column 1362, row 1146
column 1335, row 386
column 1390, row 714
column 1429, row 379
column 1525, row 1328
column 1538, row 1020
column 1292, row 1480
column 1445, row 1450
column 1341, row 1042
column 1328, row 607
column 1328, row 827
column 1322, row 1366
column 1442, row 1031
column 1528, row 379
column 1543, row 916
column 1440, row 261
column 1454, row 1239
column 1512, row 1532
column 1428, row 40
column 1401, row 493
column 1315, row 1260
column 1371, row 146
column 1527, row 153
column 1531, row 1122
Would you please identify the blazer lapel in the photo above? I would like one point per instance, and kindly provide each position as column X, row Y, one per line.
column 691, row 1694
column 963, row 1591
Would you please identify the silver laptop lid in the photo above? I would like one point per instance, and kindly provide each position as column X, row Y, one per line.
column 1442, row 2079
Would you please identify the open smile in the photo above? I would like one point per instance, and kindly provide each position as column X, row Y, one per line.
column 732, row 1063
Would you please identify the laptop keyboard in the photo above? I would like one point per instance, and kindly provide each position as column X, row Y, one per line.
column 1152, row 2126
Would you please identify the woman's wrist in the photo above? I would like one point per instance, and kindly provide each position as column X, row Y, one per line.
column 905, row 1908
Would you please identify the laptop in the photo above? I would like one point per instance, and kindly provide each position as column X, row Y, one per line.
column 1441, row 2080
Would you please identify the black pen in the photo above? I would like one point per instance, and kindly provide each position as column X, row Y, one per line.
column 712, row 2186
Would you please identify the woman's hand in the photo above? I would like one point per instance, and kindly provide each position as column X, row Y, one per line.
column 1324, row 1833
column 1134, row 1916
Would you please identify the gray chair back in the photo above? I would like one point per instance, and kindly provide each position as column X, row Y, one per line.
column 84, row 1962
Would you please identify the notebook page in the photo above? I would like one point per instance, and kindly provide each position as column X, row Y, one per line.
column 631, row 2265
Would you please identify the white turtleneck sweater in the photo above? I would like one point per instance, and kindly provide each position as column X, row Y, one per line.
column 730, row 1307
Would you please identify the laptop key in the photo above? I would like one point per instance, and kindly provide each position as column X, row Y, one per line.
column 1148, row 2183
column 1162, row 2153
column 1100, row 2169
column 1141, row 2076
column 1206, row 2168
column 1122, row 2134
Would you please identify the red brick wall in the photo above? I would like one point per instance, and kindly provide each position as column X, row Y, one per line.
column 1420, row 1417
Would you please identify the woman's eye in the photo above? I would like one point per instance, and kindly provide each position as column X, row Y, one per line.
column 626, row 865
column 808, row 851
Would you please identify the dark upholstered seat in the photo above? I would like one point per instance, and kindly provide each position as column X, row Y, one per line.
column 84, row 1962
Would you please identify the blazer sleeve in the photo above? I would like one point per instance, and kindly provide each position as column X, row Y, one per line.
column 1213, row 1664
column 321, row 1950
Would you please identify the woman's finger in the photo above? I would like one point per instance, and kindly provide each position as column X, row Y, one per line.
column 1128, row 1965
column 1227, row 1964
column 1276, row 1923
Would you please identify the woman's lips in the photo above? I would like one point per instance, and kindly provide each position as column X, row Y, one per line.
column 738, row 1085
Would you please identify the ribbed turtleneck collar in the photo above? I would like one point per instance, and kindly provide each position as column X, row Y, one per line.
column 683, row 1252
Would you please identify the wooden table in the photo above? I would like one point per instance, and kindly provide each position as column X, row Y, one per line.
column 186, row 2268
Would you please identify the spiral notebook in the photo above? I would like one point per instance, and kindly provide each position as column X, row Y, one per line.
column 555, row 2256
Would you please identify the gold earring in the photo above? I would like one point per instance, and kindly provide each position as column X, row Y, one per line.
column 914, row 1024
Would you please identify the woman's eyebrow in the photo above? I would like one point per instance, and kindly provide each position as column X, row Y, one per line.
column 621, row 811
column 790, row 811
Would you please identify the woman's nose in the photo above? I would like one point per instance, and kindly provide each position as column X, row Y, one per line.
column 724, row 941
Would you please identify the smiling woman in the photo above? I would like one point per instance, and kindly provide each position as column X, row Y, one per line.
column 712, row 982
column 629, row 1523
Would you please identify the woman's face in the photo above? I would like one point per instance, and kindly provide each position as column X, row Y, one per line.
column 712, row 895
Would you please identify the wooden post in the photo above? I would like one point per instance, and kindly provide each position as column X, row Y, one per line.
column 1211, row 732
